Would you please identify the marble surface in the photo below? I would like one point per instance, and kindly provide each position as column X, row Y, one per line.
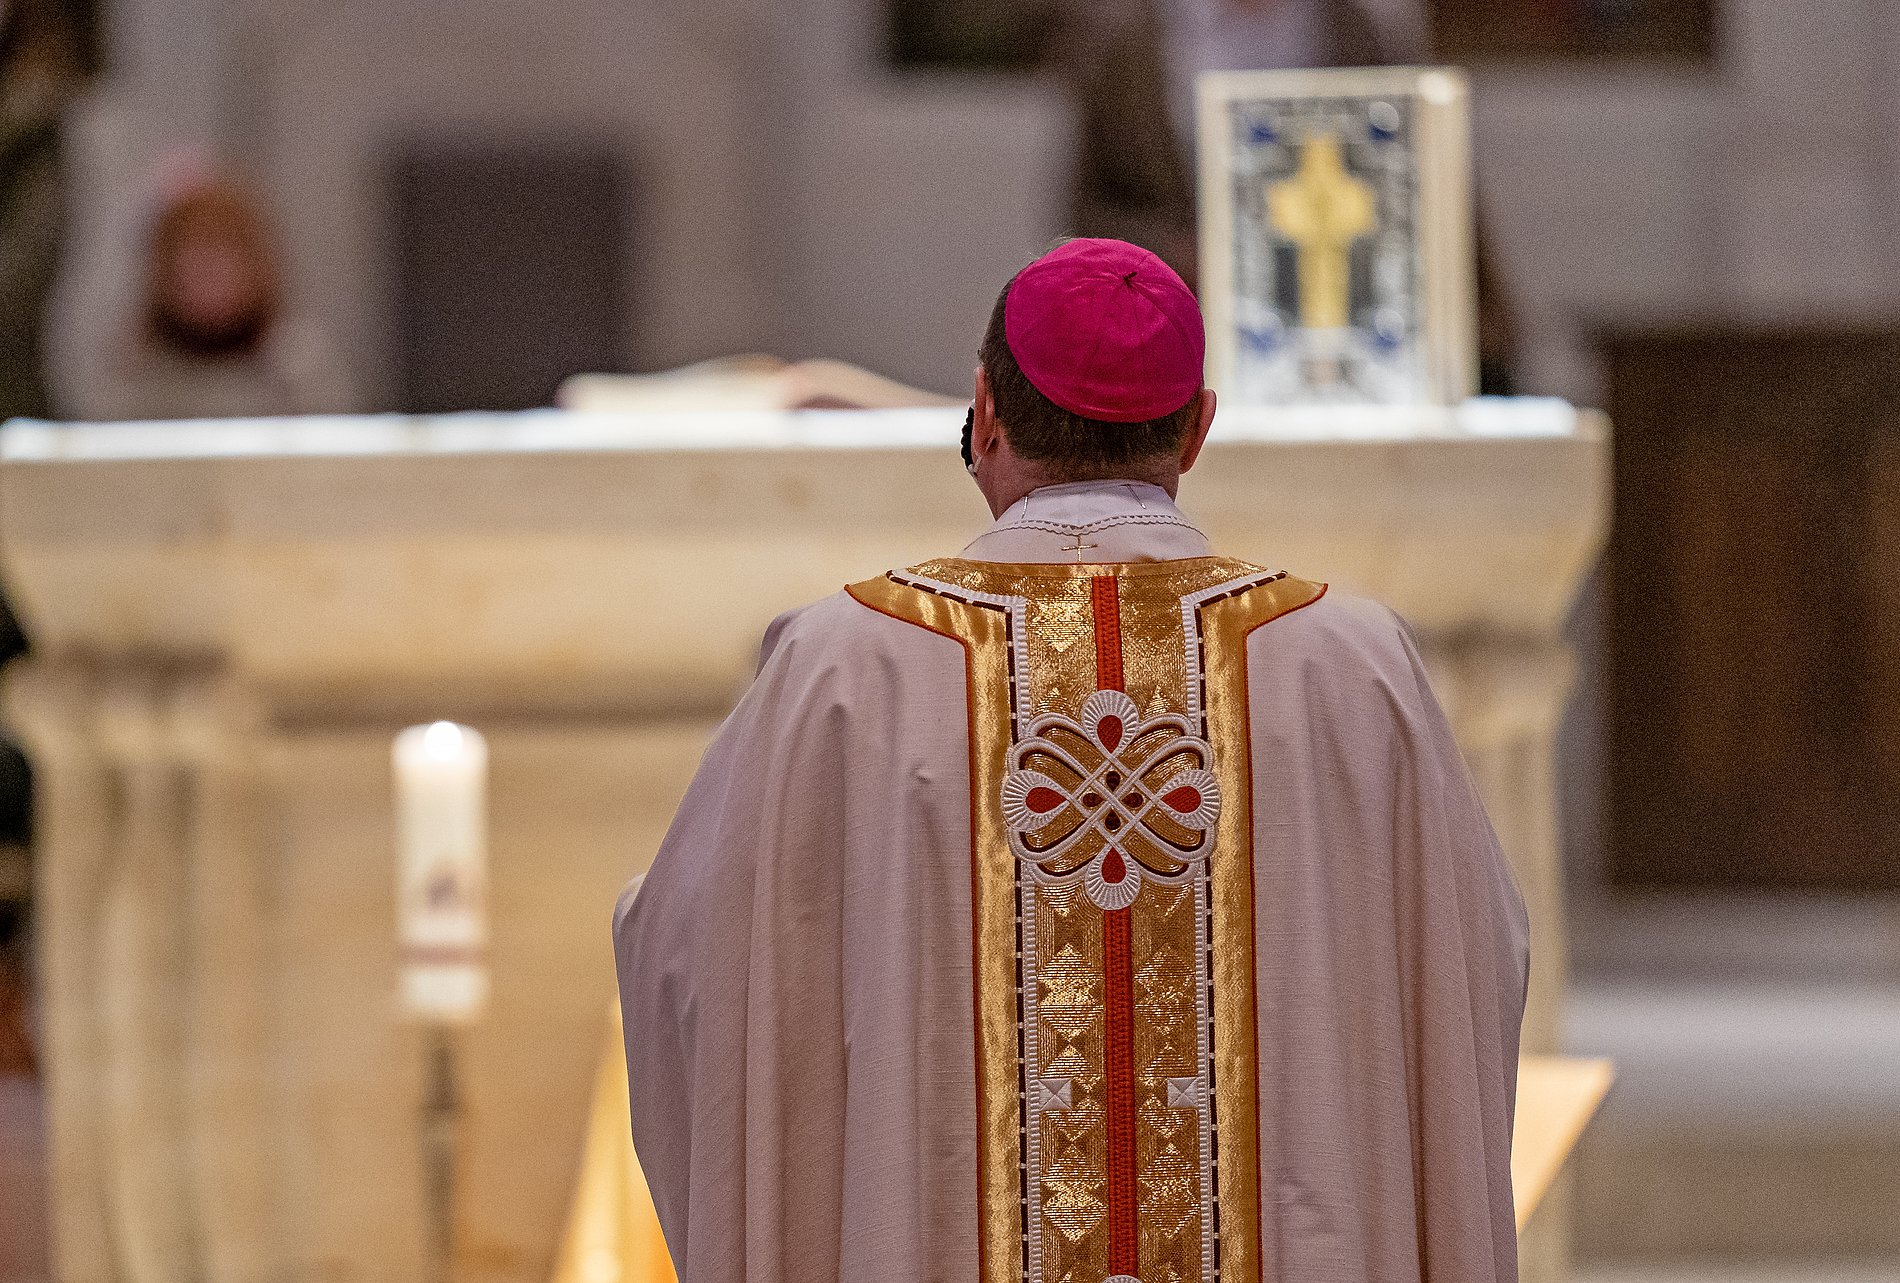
column 1786, row 1057
column 1747, row 1272
column 419, row 557
column 1756, row 1117
column 25, row 440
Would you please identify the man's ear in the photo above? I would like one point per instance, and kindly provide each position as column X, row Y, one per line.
column 1191, row 449
column 983, row 426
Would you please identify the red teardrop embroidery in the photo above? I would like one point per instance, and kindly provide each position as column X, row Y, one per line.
column 1186, row 799
column 1109, row 731
column 1113, row 870
column 1042, row 800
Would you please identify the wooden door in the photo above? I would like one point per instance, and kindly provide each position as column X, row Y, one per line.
column 1754, row 620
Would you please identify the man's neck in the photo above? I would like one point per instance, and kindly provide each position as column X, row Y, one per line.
column 1029, row 480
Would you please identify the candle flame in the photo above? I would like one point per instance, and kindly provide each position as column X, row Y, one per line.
column 443, row 741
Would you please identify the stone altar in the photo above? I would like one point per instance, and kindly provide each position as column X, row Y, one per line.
column 231, row 621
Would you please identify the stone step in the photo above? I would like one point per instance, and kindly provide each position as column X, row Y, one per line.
column 1842, row 1272
column 1751, row 1121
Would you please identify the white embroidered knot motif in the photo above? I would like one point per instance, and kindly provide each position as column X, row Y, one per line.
column 1112, row 799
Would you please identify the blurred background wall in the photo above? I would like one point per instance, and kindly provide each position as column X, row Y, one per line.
column 1692, row 207
column 805, row 179
column 777, row 187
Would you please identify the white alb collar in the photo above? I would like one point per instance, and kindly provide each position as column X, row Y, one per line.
column 1091, row 521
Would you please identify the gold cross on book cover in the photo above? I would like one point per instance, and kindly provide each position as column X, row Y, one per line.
column 1337, row 237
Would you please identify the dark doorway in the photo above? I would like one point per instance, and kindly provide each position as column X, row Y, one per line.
column 1754, row 638
column 1010, row 35
column 510, row 269
column 1636, row 30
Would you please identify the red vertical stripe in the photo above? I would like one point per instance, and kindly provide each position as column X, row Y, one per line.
column 1118, row 993
column 1119, row 1057
column 1108, row 633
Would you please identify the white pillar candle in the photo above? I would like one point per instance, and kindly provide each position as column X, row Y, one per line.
column 442, row 871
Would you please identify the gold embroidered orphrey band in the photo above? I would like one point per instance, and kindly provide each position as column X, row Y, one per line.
column 1112, row 893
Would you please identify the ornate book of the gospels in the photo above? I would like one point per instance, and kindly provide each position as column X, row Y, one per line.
column 1336, row 237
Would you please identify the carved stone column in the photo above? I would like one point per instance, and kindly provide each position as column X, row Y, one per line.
column 153, row 930
column 77, row 801
column 143, row 951
column 229, row 843
column 1504, row 697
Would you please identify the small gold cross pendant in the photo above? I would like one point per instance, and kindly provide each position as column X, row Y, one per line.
column 1078, row 547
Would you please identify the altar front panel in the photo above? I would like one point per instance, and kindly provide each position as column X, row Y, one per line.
column 231, row 627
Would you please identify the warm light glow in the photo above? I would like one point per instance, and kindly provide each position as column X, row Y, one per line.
column 442, row 741
column 441, row 778
column 441, row 744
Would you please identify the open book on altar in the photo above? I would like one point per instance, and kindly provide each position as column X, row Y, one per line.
column 746, row 383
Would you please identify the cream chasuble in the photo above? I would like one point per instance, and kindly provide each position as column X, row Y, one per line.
column 1084, row 908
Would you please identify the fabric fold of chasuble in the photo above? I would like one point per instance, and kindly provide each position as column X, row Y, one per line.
column 1112, row 892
